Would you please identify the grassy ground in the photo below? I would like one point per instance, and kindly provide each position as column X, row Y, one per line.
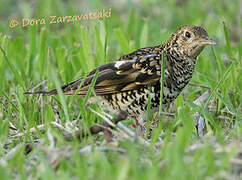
column 44, row 56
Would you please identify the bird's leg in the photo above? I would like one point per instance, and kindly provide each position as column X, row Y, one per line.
column 140, row 122
column 144, row 128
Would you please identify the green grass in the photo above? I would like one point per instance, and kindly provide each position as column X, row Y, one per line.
column 54, row 54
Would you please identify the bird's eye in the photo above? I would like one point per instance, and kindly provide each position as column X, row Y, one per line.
column 187, row 34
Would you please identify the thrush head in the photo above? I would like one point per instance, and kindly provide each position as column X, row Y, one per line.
column 189, row 41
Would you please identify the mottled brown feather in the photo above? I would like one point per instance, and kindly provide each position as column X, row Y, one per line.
column 128, row 76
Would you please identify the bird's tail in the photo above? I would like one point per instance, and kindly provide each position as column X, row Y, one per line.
column 51, row 92
column 71, row 87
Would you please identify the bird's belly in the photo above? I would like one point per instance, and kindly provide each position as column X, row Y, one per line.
column 135, row 101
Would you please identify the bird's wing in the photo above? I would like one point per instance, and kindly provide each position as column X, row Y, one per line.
column 119, row 76
column 141, row 52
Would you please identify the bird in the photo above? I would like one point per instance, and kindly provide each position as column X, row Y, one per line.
column 133, row 81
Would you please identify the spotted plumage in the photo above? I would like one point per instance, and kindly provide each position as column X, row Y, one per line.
column 127, row 83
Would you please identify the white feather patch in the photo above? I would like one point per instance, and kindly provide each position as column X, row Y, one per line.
column 118, row 63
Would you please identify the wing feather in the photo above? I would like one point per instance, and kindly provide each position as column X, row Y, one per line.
column 119, row 76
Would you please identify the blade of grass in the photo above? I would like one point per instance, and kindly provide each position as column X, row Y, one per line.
column 32, row 50
column 53, row 73
column 123, row 42
column 42, row 51
column 12, row 68
column 230, row 53
column 225, row 75
column 99, row 46
column 162, row 83
column 226, row 102
column 144, row 35
column 228, row 45
column 76, row 93
column 21, row 112
column 148, row 114
column 60, row 94
column 91, row 88
column 9, row 100
column 218, row 63
column 86, row 46
column 83, row 110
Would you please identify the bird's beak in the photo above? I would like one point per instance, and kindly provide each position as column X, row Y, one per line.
column 207, row 41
